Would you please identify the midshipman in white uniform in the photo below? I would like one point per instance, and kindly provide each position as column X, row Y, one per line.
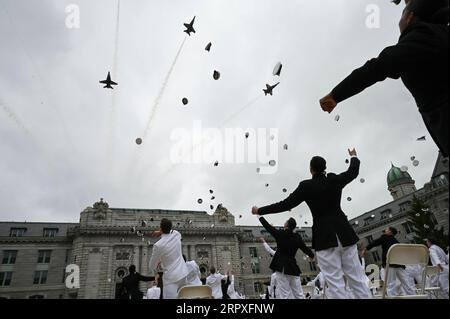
column 439, row 259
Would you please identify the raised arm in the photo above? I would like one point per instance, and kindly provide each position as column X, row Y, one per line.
column 146, row 278
column 375, row 243
column 392, row 62
column 293, row 200
column 352, row 172
column 269, row 249
column 272, row 230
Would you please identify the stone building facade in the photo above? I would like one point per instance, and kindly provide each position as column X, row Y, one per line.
column 104, row 244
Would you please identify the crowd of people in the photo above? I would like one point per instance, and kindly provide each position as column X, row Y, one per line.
column 334, row 281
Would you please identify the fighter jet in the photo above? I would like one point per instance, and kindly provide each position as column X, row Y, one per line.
column 190, row 27
column 270, row 88
column 108, row 82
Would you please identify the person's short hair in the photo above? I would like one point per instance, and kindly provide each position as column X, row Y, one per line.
column 433, row 11
column 132, row 269
column 318, row 164
column 166, row 225
column 393, row 230
column 291, row 223
column 212, row 270
column 432, row 240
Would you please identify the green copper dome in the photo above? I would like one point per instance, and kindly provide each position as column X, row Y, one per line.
column 396, row 176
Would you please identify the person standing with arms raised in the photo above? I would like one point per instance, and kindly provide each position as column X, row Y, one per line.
column 334, row 239
column 167, row 251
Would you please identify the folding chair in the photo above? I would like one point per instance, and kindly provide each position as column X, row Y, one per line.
column 433, row 291
column 406, row 254
column 195, row 292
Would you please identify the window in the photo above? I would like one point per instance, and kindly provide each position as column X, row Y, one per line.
column 408, row 227
column 50, row 232
column 367, row 221
column 9, row 257
column 384, row 214
column 369, row 239
column 376, row 256
column 312, row 266
column 17, row 232
column 255, row 268
column 44, row 256
column 257, row 287
column 5, row 278
column 36, row 297
column 123, row 255
column 40, row 277
column 405, row 206
column 253, row 252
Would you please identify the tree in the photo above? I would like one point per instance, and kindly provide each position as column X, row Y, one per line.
column 424, row 224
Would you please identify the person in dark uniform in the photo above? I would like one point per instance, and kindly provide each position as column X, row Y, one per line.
column 130, row 284
column 284, row 262
column 395, row 271
column 420, row 59
column 333, row 238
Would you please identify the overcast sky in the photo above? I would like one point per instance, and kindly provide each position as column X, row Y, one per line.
column 65, row 141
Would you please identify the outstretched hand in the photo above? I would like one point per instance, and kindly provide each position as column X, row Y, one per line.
column 328, row 103
column 352, row 152
column 255, row 210
column 156, row 233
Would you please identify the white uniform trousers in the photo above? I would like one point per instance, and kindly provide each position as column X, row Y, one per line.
column 337, row 262
column 406, row 281
column 443, row 280
column 289, row 287
column 170, row 291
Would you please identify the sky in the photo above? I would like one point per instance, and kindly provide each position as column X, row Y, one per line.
column 65, row 142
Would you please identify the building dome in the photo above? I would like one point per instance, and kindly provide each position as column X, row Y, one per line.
column 396, row 177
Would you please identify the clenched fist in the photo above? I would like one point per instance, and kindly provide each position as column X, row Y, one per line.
column 328, row 103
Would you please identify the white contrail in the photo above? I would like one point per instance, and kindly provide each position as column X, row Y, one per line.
column 14, row 117
column 161, row 92
column 111, row 134
column 242, row 109
column 40, row 81
column 227, row 120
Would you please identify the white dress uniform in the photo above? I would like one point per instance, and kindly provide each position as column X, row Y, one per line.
column 153, row 293
column 273, row 286
column 438, row 257
column 231, row 291
column 343, row 262
column 193, row 277
column 215, row 282
column 167, row 250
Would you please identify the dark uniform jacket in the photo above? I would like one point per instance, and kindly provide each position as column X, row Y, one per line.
column 323, row 195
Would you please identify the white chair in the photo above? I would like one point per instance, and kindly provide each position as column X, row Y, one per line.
column 433, row 291
column 406, row 254
column 195, row 292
